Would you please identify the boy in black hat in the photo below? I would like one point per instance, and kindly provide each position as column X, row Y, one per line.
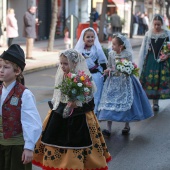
column 20, row 123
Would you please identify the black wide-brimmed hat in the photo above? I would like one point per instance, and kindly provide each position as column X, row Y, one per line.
column 15, row 54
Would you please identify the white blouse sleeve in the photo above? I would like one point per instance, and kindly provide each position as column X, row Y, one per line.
column 30, row 119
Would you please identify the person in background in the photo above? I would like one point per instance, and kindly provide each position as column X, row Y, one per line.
column 20, row 122
column 146, row 22
column 135, row 24
column 104, row 27
column 11, row 26
column 154, row 62
column 115, row 22
column 141, row 24
column 166, row 20
column 67, row 39
column 29, row 30
column 95, row 15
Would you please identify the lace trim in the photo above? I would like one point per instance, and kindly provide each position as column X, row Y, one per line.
column 64, row 98
column 161, row 35
column 123, row 54
column 117, row 94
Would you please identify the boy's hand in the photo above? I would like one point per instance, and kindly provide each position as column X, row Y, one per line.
column 27, row 156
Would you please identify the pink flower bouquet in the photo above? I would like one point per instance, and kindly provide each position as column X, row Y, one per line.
column 164, row 52
column 77, row 87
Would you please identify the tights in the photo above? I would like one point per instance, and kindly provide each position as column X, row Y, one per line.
column 109, row 125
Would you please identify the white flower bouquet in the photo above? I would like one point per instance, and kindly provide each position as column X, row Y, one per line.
column 127, row 67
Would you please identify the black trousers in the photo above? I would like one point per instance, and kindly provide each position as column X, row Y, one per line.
column 116, row 29
column 10, row 158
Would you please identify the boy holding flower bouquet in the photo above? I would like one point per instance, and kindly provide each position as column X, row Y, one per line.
column 71, row 137
column 123, row 98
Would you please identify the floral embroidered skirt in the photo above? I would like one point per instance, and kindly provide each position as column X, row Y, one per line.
column 155, row 78
column 92, row 158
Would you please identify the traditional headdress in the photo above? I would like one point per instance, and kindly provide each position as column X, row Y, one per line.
column 151, row 26
column 81, row 44
column 73, row 58
column 126, row 43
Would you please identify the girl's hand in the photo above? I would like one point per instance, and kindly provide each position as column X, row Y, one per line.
column 72, row 104
column 106, row 71
column 27, row 156
column 163, row 57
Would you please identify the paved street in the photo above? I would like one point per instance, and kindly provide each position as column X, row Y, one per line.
column 147, row 146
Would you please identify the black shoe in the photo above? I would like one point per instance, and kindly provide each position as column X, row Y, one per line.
column 126, row 131
column 155, row 107
column 106, row 133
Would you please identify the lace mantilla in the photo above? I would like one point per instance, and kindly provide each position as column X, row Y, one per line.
column 76, row 63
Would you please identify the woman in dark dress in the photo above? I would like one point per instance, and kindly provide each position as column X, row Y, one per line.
column 155, row 67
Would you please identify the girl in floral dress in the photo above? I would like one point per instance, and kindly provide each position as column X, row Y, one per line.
column 155, row 67
column 74, row 142
column 123, row 99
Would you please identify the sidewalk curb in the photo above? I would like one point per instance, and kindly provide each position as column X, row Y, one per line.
column 44, row 67
column 39, row 68
column 136, row 46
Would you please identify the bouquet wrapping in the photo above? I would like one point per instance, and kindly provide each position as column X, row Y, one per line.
column 78, row 88
column 127, row 67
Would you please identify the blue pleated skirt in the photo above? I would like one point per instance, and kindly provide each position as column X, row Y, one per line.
column 140, row 109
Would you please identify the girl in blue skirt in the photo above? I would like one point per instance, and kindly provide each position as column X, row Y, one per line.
column 123, row 98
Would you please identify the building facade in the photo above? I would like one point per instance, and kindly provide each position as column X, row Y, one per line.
column 81, row 9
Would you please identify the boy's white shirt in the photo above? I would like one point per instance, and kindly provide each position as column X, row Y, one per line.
column 30, row 118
